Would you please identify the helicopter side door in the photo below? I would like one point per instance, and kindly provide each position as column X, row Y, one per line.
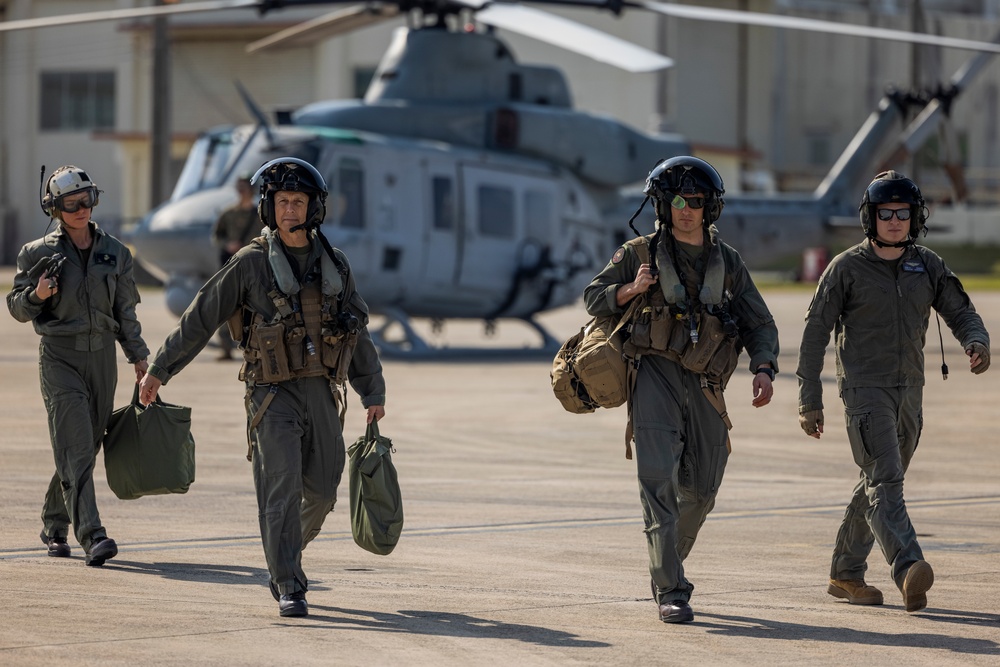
column 496, row 210
column 347, row 224
column 442, row 233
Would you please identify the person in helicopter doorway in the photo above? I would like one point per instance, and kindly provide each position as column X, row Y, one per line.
column 235, row 228
column 877, row 297
column 75, row 285
column 699, row 309
column 291, row 301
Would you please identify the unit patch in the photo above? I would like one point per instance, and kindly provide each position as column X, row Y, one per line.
column 618, row 256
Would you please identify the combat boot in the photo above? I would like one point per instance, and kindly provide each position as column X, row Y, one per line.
column 57, row 545
column 676, row 611
column 919, row 578
column 855, row 591
column 100, row 551
column 293, row 604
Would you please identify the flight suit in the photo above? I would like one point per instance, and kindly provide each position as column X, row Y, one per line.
column 681, row 441
column 297, row 444
column 879, row 315
column 235, row 224
column 95, row 306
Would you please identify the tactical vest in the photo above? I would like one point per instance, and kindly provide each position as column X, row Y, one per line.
column 304, row 339
column 701, row 337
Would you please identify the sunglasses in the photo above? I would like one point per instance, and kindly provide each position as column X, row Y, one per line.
column 680, row 202
column 886, row 214
column 88, row 200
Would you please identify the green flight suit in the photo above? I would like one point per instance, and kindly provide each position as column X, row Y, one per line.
column 298, row 447
column 78, row 326
column 879, row 312
column 680, row 440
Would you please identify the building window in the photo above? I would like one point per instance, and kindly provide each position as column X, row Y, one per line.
column 496, row 211
column 77, row 100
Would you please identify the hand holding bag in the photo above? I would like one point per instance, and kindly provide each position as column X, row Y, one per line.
column 376, row 503
column 149, row 451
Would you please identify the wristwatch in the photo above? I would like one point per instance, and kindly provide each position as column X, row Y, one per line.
column 769, row 372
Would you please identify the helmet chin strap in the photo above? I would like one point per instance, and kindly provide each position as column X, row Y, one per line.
column 902, row 244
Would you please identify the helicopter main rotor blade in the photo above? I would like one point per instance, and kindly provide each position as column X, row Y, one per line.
column 572, row 36
column 811, row 25
column 327, row 25
column 121, row 14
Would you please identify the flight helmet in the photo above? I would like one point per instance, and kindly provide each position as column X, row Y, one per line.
column 685, row 175
column 891, row 187
column 68, row 180
column 291, row 175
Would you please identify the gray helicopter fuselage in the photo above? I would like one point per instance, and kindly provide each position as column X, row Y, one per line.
column 430, row 229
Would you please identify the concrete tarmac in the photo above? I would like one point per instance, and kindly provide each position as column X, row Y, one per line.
column 523, row 542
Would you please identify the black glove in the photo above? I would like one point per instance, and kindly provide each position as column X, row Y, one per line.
column 984, row 357
column 39, row 269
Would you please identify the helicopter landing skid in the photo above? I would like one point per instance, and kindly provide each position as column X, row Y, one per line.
column 411, row 346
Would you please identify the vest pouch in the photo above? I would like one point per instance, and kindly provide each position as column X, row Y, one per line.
column 661, row 328
column 680, row 336
column 697, row 358
column 724, row 362
column 294, row 343
column 330, row 353
column 640, row 332
column 273, row 356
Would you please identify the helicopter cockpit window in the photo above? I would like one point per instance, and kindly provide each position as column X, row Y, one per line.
column 350, row 194
column 205, row 165
column 496, row 211
column 444, row 203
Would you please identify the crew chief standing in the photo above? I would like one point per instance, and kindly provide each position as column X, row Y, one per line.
column 79, row 314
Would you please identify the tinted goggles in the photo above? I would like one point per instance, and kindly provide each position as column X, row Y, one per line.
column 88, row 200
column 680, row 202
column 887, row 213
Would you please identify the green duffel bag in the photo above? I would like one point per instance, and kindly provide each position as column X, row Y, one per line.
column 149, row 451
column 376, row 503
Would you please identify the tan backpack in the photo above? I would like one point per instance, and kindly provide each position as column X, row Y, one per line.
column 590, row 370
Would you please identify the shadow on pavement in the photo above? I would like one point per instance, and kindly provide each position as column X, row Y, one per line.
column 743, row 626
column 203, row 572
column 450, row 625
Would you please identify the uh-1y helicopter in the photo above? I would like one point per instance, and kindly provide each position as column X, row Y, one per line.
column 465, row 185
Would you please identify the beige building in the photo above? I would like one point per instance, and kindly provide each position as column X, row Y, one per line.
column 768, row 106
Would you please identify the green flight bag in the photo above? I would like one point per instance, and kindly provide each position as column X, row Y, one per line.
column 376, row 503
column 149, row 451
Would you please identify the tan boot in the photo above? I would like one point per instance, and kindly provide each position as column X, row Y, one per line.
column 919, row 579
column 855, row 591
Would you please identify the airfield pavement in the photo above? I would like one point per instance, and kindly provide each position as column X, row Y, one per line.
column 523, row 541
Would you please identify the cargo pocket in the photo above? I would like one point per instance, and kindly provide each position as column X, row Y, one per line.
column 859, row 433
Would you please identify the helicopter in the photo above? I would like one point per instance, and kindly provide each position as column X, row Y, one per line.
column 465, row 185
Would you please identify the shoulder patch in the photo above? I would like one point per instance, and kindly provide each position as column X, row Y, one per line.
column 618, row 256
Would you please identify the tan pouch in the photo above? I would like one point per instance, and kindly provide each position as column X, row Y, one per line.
column 696, row 358
column 273, row 356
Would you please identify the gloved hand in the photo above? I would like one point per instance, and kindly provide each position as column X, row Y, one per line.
column 811, row 422
column 984, row 357
column 39, row 269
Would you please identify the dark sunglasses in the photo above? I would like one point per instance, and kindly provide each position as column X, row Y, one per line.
column 88, row 200
column 680, row 202
column 886, row 214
